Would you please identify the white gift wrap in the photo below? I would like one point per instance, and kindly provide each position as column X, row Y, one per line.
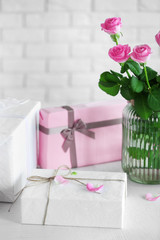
column 18, row 145
column 71, row 204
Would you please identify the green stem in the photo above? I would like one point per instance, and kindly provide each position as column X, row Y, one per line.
column 128, row 74
column 126, row 71
column 116, row 40
column 146, row 75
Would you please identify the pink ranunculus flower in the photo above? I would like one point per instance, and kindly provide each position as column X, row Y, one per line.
column 112, row 25
column 120, row 53
column 141, row 53
column 157, row 37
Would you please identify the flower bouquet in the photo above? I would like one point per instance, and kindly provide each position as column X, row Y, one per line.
column 136, row 81
column 140, row 85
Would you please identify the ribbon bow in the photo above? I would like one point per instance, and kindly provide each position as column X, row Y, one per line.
column 68, row 133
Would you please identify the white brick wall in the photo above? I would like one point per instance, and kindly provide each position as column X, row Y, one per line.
column 23, row 5
column 23, row 65
column 70, row 34
column 10, row 20
column 11, row 50
column 76, row 94
column 147, row 5
column 69, row 5
column 70, row 65
column 46, row 19
column 47, row 80
column 54, row 50
column 23, row 35
column 47, row 50
column 112, row 5
column 11, row 80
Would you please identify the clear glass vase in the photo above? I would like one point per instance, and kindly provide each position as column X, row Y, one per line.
column 141, row 146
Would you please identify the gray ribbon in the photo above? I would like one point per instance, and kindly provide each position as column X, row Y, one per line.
column 106, row 123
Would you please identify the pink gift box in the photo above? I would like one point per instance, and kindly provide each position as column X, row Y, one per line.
column 80, row 135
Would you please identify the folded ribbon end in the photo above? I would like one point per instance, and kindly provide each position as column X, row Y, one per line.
column 92, row 134
column 65, row 146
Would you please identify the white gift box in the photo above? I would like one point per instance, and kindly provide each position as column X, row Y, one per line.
column 71, row 204
column 18, row 145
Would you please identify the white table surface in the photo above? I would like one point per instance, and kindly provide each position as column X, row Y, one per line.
column 142, row 219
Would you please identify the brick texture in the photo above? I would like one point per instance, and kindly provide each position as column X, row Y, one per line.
column 73, row 94
column 21, row 93
column 48, row 19
column 47, row 50
column 23, row 35
column 11, row 50
column 23, row 5
column 23, row 65
column 11, row 80
column 11, row 20
column 71, row 35
column 55, row 51
column 112, row 5
column 70, row 5
column 70, row 65
column 147, row 5
column 47, row 80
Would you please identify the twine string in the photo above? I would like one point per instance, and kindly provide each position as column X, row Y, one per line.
column 48, row 197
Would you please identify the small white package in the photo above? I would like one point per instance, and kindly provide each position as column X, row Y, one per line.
column 71, row 204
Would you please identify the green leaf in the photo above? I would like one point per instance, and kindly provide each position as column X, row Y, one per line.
column 110, row 87
column 125, row 81
column 116, row 74
column 158, row 79
column 134, row 67
column 136, row 85
column 109, row 77
column 141, row 106
column 137, row 153
column 109, row 83
column 150, row 72
column 154, row 100
column 127, row 92
column 152, row 155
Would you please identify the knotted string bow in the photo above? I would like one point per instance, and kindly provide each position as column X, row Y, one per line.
column 69, row 135
column 41, row 179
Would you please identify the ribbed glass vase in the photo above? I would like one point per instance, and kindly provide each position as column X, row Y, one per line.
column 141, row 146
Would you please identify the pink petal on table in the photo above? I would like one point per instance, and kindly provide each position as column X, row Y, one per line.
column 91, row 188
column 60, row 179
column 150, row 197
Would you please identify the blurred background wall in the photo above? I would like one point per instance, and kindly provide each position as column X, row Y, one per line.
column 54, row 50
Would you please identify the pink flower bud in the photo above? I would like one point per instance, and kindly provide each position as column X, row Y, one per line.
column 112, row 25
